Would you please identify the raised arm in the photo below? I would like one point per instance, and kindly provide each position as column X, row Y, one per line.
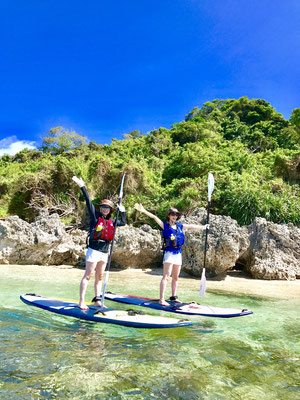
column 140, row 208
column 89, row 204
column 192, row 226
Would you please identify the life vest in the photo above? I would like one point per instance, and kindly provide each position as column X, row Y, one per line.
column 171, row 240
column 104, row 230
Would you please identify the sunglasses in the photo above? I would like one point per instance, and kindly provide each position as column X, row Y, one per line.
column 104, row 206
column 172, row 213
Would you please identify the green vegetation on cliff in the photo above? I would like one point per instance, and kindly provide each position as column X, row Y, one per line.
column 253, row 152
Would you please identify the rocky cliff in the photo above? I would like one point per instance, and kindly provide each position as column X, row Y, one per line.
column 265, row 249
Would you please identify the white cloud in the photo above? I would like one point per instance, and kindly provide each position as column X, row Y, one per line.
column 11, row 145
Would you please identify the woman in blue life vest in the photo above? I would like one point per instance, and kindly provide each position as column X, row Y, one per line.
column 174, row 239
column 102, row 229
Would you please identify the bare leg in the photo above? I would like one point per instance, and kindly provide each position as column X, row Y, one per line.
column 89, row 269
column 167, row 268
column 98, row 280
column 175, row 275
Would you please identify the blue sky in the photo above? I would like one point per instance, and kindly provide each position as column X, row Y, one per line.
column 108, row 68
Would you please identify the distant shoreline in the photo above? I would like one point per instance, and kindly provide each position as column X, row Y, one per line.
column 237, row 284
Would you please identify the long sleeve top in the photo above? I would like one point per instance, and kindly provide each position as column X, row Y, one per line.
column 99, row 244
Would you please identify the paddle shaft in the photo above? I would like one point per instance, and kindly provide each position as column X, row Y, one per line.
column 206, row 234
column 210, row 185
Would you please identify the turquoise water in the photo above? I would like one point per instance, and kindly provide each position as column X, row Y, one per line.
column 46, row 356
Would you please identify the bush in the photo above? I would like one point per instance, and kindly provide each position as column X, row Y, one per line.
column 252, row 151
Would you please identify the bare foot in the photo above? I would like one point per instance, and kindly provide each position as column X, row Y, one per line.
column 98, row 304
column 83, row 306
column 163, row 303
column 174, row 299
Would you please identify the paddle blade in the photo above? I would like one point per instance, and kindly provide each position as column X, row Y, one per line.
column 210, row 184
column 202, row 284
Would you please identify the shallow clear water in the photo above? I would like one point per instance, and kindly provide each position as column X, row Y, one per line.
column 46, row 356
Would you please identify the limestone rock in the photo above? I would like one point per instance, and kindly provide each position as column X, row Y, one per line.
column 137, row 247
column 44, row 242
column 227, row 241
column 265, row 249
column 274, row 251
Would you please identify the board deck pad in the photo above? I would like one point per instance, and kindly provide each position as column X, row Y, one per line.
column 128, row 318
column 179, row 308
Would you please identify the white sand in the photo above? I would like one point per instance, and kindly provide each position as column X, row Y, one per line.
column 147, row 278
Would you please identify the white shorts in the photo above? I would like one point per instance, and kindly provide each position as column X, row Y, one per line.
column 172, row 258
column 95, row 256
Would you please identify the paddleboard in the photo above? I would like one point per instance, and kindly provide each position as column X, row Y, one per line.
column 179, row 308
column 129, row 318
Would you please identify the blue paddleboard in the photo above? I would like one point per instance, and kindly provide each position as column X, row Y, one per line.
column 107, row 315
column 179, row 308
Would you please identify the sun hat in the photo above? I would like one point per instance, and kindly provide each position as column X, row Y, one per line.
column 105, row 202
column 175, row 211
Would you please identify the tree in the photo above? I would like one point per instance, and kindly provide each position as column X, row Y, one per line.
column 192, row 131
column 132, row 135
column 209, row 110
column 59, row 140
column 295, row 118
column 249, row 111
column 295, row 121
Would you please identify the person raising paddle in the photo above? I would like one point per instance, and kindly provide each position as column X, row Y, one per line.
column 102, row 229
column 172, row 231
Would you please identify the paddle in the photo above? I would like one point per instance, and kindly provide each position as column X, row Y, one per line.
column 210, row 184
column 112, row 243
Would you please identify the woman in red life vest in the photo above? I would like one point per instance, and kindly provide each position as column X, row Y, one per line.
column 174, row 239
column 102, row 229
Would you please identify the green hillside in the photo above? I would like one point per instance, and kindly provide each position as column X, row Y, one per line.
column 253, row 152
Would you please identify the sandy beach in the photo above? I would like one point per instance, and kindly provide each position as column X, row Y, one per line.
column 141, row 279
column 257, row 287
column 234, row 283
